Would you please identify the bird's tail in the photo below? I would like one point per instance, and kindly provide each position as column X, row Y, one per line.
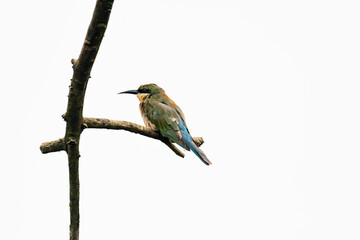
column 187, row 139
column 198, row 152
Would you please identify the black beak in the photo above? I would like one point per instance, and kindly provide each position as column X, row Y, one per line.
column 130, row 91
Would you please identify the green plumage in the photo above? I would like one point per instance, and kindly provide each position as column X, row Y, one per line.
column 162, row 114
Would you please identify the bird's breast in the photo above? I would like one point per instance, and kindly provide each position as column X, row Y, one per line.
column 144, row 114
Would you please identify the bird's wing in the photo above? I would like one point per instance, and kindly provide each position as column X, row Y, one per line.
column 167, row 120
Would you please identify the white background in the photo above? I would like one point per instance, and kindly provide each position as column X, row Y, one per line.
column 272, row 87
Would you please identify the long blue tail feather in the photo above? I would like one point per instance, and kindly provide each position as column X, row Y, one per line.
column 198, row 152
column 186, row 137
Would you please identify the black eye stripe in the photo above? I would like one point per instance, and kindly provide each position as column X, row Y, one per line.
column 144, row 90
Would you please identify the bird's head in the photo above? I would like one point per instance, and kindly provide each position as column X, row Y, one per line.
column 145, row 90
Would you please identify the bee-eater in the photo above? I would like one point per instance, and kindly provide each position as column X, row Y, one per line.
column 162, row 114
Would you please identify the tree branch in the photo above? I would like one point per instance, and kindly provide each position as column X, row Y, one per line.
column 59, row 145
column 53, row 146
column 74, row 118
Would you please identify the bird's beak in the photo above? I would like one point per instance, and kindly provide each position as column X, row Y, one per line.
column 130, row 91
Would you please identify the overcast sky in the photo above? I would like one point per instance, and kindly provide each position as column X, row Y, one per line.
column 271, row 86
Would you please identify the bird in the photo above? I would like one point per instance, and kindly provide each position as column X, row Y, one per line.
column 162, row 114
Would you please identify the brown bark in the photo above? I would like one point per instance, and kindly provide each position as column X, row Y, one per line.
column 74, row 119
column 59, row 145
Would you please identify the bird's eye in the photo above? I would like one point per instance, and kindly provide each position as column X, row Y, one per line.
column 145, row 90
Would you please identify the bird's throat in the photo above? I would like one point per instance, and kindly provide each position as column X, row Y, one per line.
column 142, row 96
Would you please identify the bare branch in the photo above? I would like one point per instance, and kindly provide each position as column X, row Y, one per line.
column 59, row 145
column 53, row 146
column 74, row 118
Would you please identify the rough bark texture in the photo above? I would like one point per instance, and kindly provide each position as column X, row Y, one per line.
column 59, row 145
column 74, row 119
column 53, row 146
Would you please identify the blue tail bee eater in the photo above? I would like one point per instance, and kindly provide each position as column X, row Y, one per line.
column 162, row 114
